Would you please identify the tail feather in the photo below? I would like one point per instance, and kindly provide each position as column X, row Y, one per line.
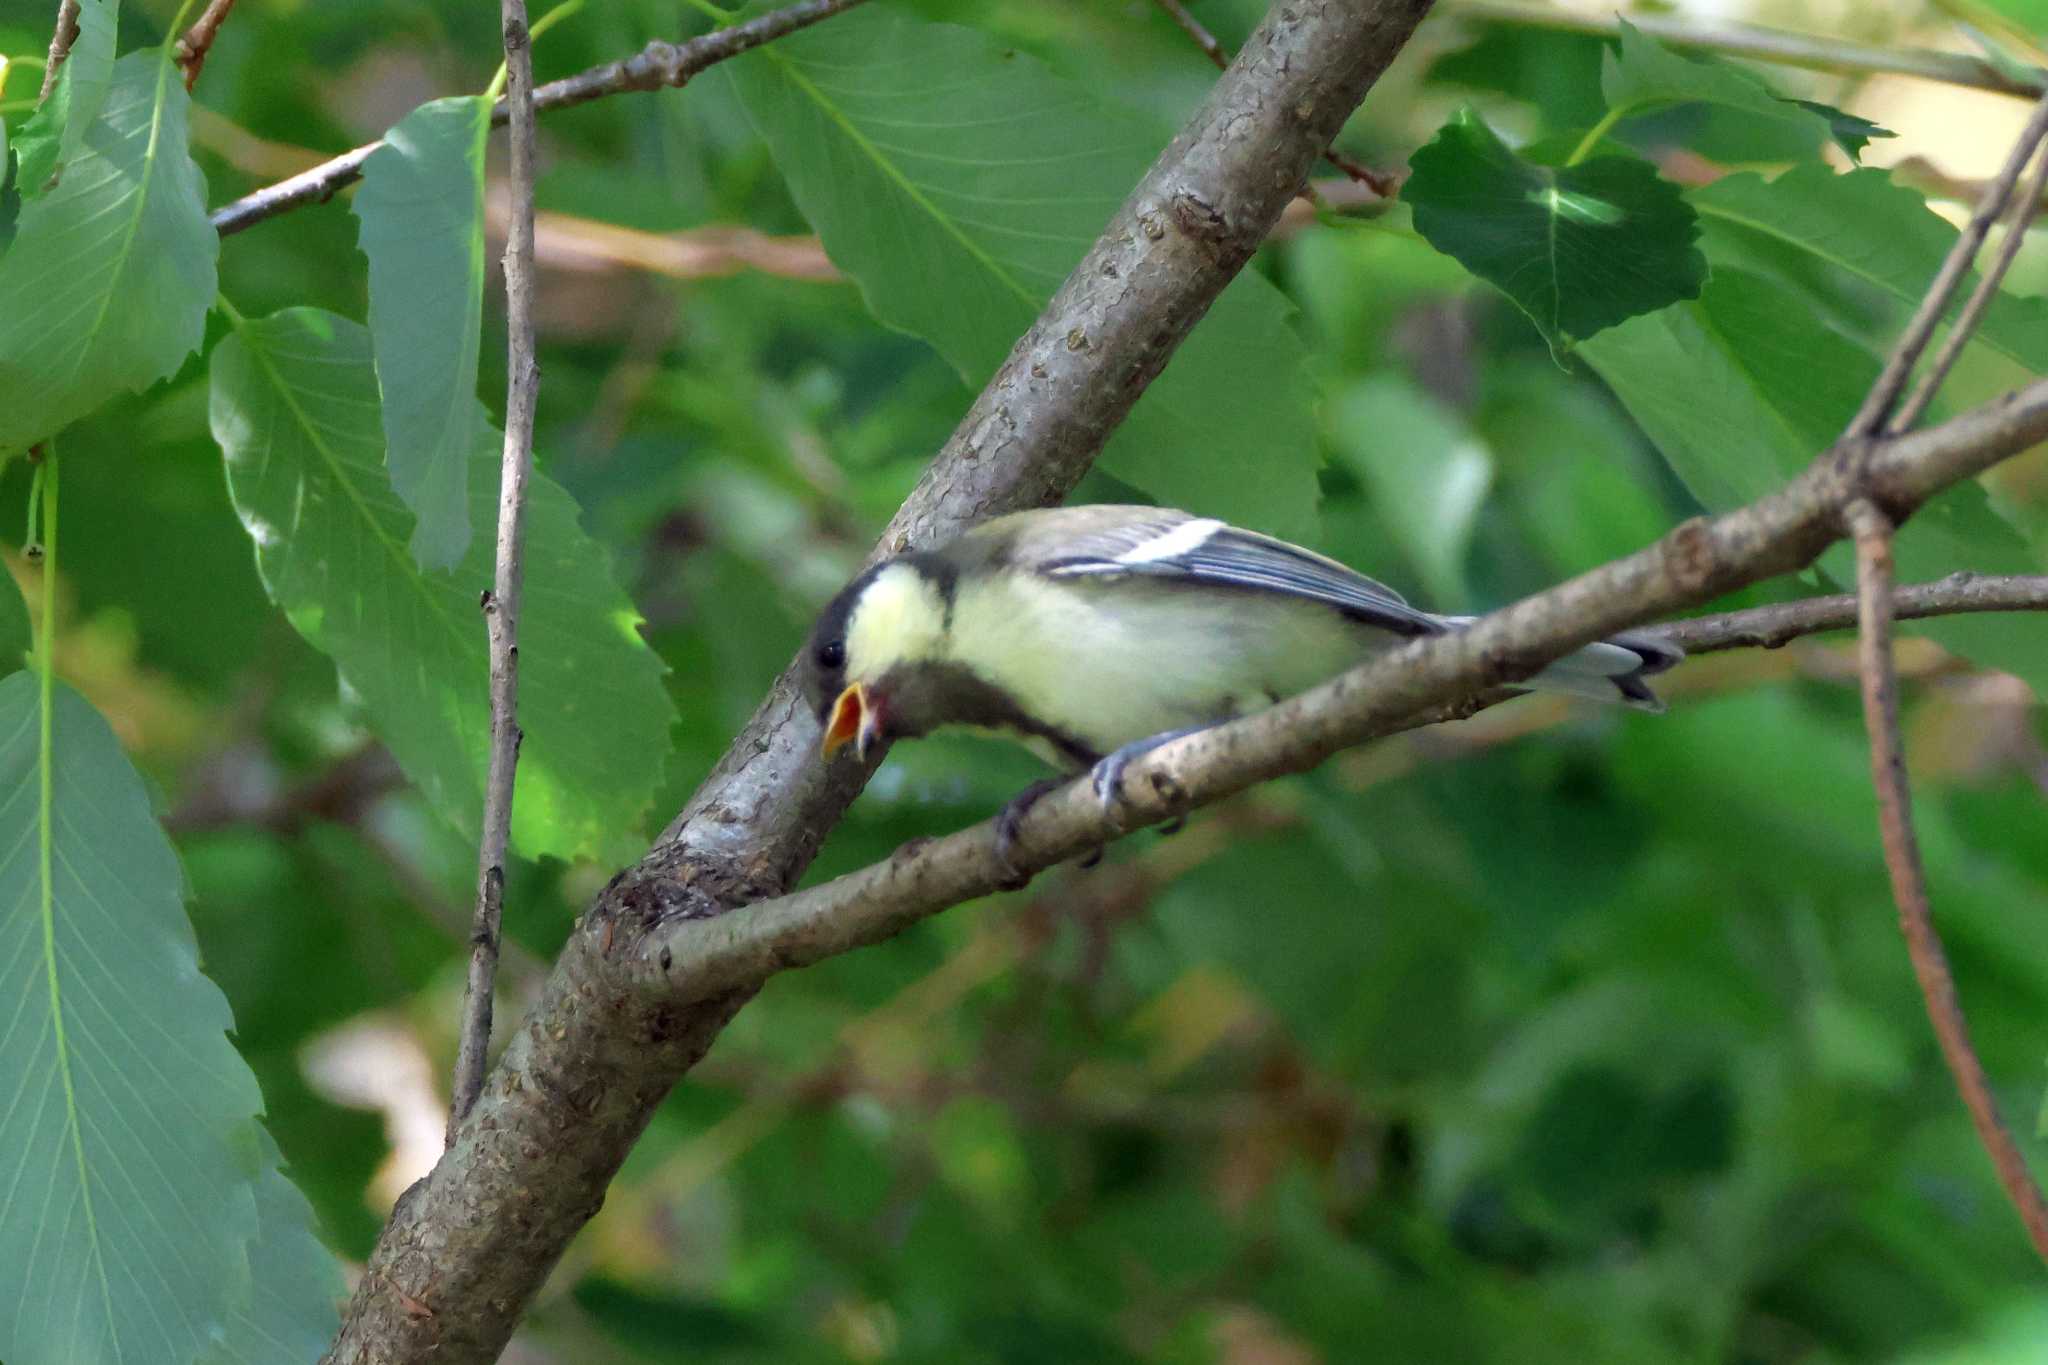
column 1618, row 664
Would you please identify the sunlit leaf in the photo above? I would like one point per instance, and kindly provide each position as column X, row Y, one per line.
column 1427, row 470
column 110, row 275
column 1578, row 248
column 422, row 212
column 958, row 181
column 127, row 1135
column 56, row 131
column 295, row 409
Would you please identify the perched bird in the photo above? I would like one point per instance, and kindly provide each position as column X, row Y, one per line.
column 1093, row 634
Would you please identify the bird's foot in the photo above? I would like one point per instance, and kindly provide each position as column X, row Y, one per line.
column 1008, row 819
column 1108, row 775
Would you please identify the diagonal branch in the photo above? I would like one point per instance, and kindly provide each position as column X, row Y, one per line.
column 501, row 604
column 467, row 1247
column 659, row 65
column 687, row 959
column 1777, row 625
column 1873, row 535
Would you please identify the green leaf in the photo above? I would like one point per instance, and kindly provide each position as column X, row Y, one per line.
column 422, row 213
column 1558, row 73
column 1851, row 132
column 1577, row 248
column 127, row 1147
column 294, row 406
column 1878, row 232
column 107, row 284
column 290, row 1315
column 1741, row 393
column 1428, row 472
column 14, row 628
column 1645, row 74
column 56, row 131
column 960, row 202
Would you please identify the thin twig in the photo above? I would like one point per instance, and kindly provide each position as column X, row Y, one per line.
column 501, row 605
column 2025, row 206
column 1192, row 26
column 1379, row 182
column 657, row 66
column 1768, row 45
column 198, row 40
column 61, row 39
column 1777, row 625
column 1898, row 367
column 1873, row 534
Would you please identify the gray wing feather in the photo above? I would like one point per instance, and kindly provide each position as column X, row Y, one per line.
column 1231, row 558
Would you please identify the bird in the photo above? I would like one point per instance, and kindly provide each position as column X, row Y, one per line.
column 1094, row 634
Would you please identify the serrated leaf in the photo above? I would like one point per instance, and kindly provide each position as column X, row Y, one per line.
column 1578, row 248
column 1427, row 470
column 56, row 131
column 290, row 1313
column 1644, row 74
column 1851, row 132
column 958, row 182
column 127, row 1131
column 1878, row 232
column 14, row 626
column 1740, row 393
column 110, row 275
column 422, row 213
column 294, row 407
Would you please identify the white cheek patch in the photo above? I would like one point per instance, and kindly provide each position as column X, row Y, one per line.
column 1183, row 539
column 900, row 617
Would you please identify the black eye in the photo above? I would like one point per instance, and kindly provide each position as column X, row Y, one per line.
column 832, row 654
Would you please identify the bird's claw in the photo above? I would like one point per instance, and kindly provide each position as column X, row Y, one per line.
column 1008, row 820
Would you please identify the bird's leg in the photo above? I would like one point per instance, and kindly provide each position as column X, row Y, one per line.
column 1108, row 776
column 1007, row 821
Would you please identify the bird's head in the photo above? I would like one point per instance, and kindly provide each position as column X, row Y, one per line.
column 868, row 664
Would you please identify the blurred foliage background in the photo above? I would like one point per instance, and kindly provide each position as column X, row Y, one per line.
column 1559, row 1035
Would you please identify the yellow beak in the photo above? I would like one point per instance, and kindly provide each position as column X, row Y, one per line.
column 855, row 720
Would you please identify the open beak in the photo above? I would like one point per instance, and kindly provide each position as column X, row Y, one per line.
column 856, row 719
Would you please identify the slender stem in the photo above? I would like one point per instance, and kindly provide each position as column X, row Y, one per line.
column 1898, row 367
column 61, row 39
column 1595, row 133
column 1874, row 573
column 1768, row 45
column 1192, row 26
column 2025, row 206
column 501, row 605
column 657, row 66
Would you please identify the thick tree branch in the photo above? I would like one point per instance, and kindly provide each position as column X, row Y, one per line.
column 501, row 604
column 1778, row 625
column 1873, row 534
column 657, row 66
column 1768, row 45
column 467, row 1247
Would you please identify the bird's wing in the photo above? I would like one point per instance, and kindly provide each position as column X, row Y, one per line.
column 1203, row 551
